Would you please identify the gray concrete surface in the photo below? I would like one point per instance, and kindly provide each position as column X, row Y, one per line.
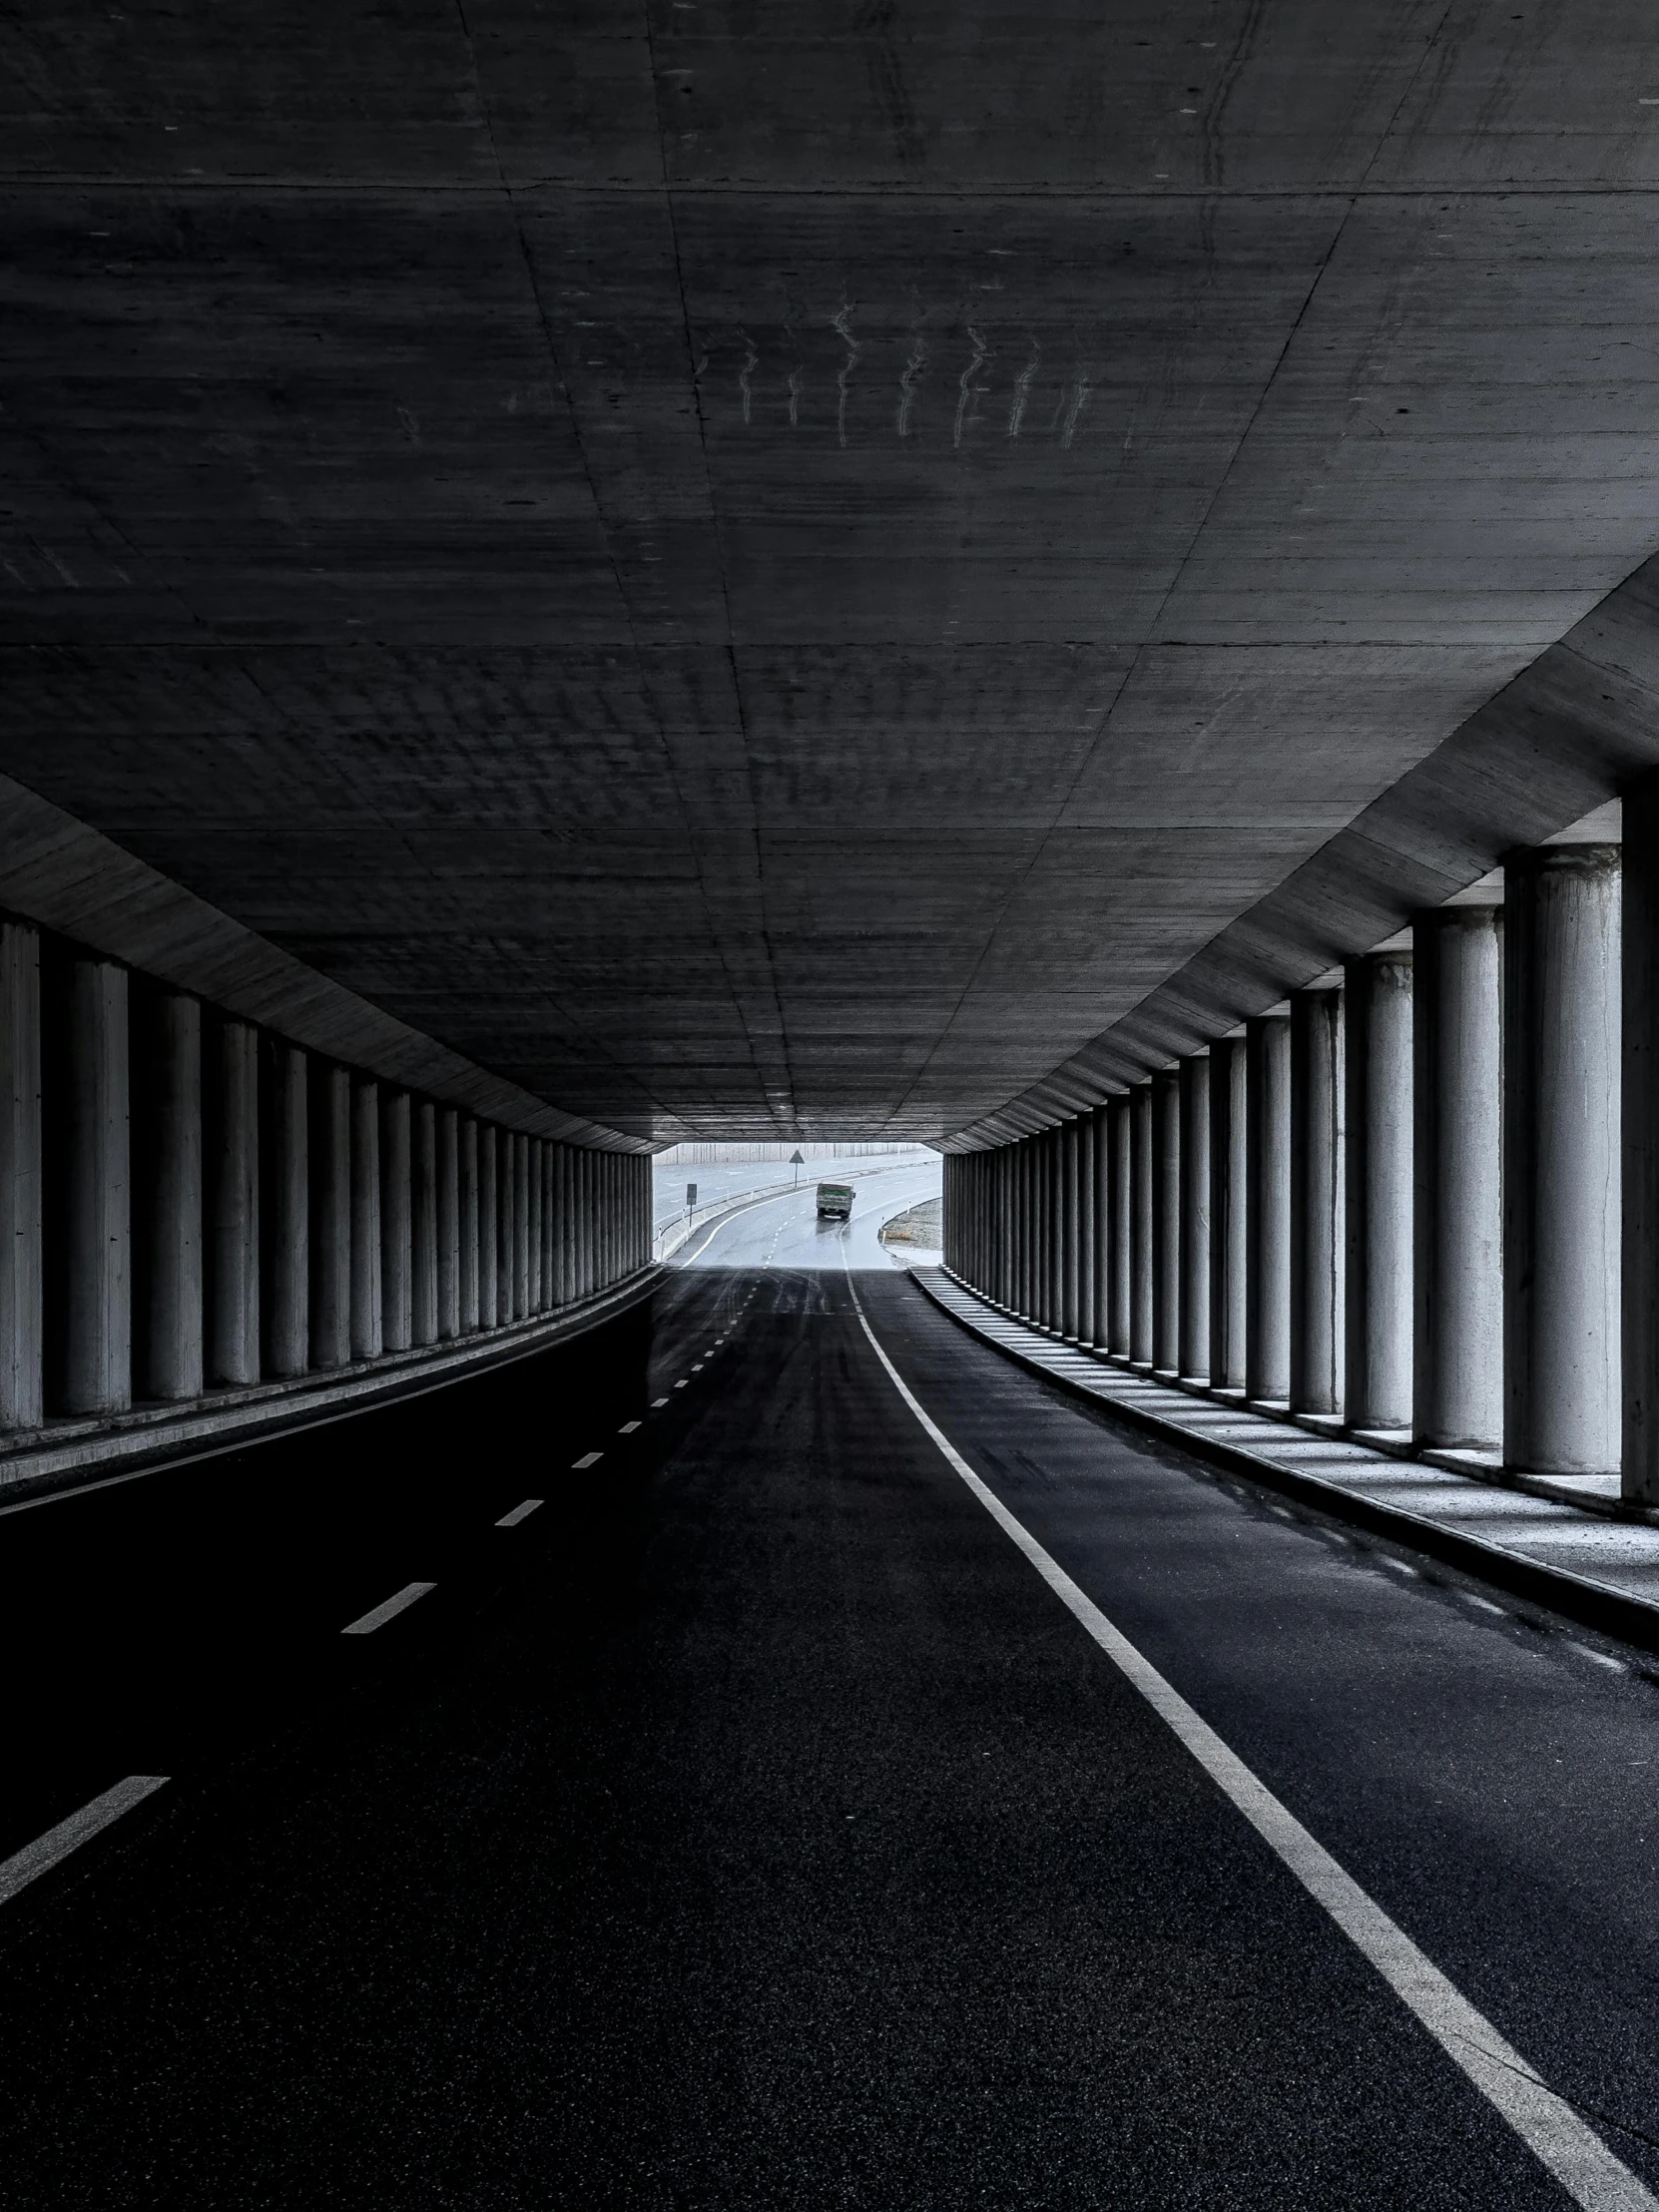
column 879, row 602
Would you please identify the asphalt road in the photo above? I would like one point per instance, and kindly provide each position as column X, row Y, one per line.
column 786, row 1231
column 751, row 1825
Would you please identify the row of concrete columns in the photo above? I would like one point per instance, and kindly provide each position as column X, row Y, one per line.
column 187, row 1201
column 1421, row 1201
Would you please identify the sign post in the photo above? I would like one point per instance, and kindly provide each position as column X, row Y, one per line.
column 798, row 1163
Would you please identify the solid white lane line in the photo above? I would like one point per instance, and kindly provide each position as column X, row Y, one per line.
column 518, row 1513
column 388, row 1610
column 23, row 1866
column 1546, row 2123
column 588, row 1459
column 628, row 1428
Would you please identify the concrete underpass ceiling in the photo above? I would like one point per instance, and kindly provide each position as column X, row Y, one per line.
column 760, row 570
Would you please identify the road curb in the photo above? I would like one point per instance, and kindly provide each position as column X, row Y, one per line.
column 1615, row 1613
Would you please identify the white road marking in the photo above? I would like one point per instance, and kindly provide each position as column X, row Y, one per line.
column 518, row 1513
column 1587, row 1651
column 1546, row 2123
column 656, row 1401
column 680, row 1386
column 23, row 1866
column 588, row 1459
column 390, row 1610
column 1485, row 1604
column 628, row 1428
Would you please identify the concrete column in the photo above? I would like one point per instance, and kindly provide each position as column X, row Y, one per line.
column 1070, row 1208
column 1376, row 1055
column 1229, row 1214
column 488, row 1269
column 1122, row 1314
column 366, row 1337
column 582, row 1189
column 540, row 1276
column 22, row 1377
column 467, row 1230
column 1195, row 1216
column 602, row 1221
column 1268, row 1223
column 90, row 1247
column 1166, row 1221
column 506, row 1240
column 396, row 1224
column 1563, row 1411
column 996, row 1220
column 1086, row 1297
column 234, row 1199
column 1141, row 1227
column 592, row 1277
column 985, row 1179
column 330, row 1238
column 1100, row 1161
column 1027, row 1301
column 285, row 1213
column 1317, row 1243
column 521, row 1225
column 1056, row 1200
column 424, row 1222
column 1457, row 1205
column 1226, row 1351
column 167, row 1340
column 1639, row 1143
column 564, row 1234
column 449, row 1222
column 1039, row 1228
column 613, row 1241
column 1036, row 1182
column 574, row 1224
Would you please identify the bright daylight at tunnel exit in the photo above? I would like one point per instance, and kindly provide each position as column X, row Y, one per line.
column 829, row 1105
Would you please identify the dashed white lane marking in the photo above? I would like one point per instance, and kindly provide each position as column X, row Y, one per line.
column 628, row 1428
column 23, row 1866
column 588, row 1459
column 388, row 1610
column 1484, row 1603
column 1546, row 2123
column 1587, row 1651
column 697, row 1366
column 518, row 1513
column 656, row 1401
column 680, row 1386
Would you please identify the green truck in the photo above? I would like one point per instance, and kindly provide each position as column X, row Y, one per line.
column 835, row 1202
